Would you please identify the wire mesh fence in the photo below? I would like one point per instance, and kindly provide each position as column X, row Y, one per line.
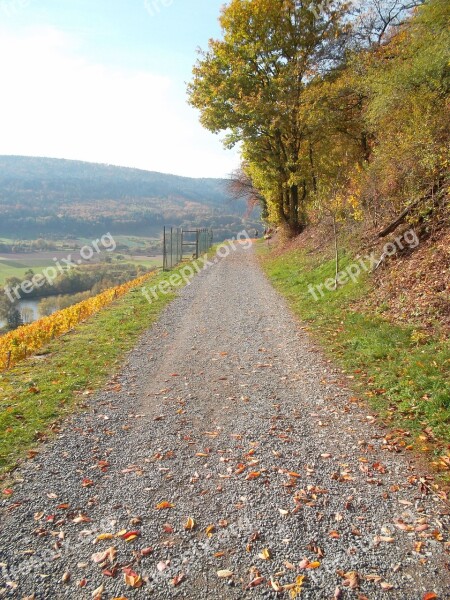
column 180, row 243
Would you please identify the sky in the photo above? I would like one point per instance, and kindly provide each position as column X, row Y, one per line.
column 105, row 81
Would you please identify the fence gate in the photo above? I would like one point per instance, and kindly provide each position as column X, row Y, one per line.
column 178, row 243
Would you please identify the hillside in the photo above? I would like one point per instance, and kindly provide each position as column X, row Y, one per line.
column 44, row 196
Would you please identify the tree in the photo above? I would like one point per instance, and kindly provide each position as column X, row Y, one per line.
column 251, row 85
column 408, row 84
column 9, row 313
column 241, row 187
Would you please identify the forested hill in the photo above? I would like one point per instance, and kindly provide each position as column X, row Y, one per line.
column 41, row 196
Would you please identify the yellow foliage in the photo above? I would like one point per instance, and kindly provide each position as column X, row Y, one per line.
column 27, row 340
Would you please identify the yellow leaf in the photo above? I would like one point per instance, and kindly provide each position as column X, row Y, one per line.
column 132, row 579
column 104, row 536
column 121, row 533
column 265, row 554
column 296, row 588
column 190, row 524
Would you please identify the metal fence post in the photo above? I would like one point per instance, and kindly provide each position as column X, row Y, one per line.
column 164, row 250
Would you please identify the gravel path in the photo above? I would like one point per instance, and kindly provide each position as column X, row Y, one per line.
column 226, row 411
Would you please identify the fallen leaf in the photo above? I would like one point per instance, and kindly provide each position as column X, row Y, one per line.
column 351, row 579
column 190, row 524
column 255, row 582
column 306, row 564
column 105, row 556
column 276, row 585
column 386, row 586
column 224, row 574
column 66, row 577
column 104, row 536
column 98, row 593
column 334, row 534
column 81, row 519
column 178, row 579
column 253, row 475
column 265, row 554
column 132, row 579
column 296, row 588
column 129, row 536
column 164, row 505
column 382, row 538
column 430, row 596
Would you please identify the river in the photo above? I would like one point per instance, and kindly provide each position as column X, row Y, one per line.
column 29, row 309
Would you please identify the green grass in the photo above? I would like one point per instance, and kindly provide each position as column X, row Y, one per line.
column 147, row 261
column 79, row 362
column 18, row 268
column 404, row 376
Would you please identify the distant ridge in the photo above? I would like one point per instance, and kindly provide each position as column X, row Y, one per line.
column 47, row 196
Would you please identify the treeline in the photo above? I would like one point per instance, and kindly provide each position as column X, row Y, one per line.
column 26, row 246
column 341, row 109
column 94, row 278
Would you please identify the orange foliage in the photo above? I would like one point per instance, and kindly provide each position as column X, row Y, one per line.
column 27, row 340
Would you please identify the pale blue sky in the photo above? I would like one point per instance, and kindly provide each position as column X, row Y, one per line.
column 104, row 81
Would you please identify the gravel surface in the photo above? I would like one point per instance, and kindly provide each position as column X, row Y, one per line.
column 228, row 412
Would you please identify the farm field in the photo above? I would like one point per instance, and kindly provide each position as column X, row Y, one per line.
column 130, row 249
column 16, row 265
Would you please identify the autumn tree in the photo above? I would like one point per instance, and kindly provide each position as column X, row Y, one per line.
column 408, row 86
column 251, row 85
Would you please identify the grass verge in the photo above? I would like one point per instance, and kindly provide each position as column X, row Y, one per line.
column 39, row 392
column 404, row 375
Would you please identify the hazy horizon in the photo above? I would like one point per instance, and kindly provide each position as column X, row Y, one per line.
column 106, row 83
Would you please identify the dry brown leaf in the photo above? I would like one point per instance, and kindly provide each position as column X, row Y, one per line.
column 98, row 593
column 105, row 556
column 178, row 579
column 255, row 582
column 81, row 519
column 386, row 586
column 224, row 574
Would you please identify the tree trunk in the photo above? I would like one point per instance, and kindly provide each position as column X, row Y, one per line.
column 293, row 209
column 313, row 172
